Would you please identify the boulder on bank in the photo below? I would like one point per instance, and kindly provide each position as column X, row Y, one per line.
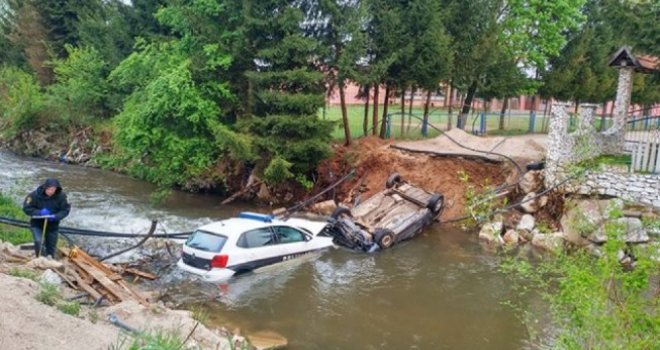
column 532, row 181
column 527, row 222
column 511, row 237
column 492, row 232
column 552, row 242
column 531, row 204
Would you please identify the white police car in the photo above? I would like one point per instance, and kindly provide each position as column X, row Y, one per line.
column 249, row 242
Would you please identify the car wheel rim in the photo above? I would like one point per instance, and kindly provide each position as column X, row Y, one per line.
column 386, row 241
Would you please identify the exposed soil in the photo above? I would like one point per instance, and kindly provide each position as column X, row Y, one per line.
column 374, row 160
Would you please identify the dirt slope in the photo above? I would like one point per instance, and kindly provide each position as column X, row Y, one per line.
column 25, row 323
column 374, row 160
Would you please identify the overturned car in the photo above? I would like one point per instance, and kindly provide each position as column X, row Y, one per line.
column 398, row 213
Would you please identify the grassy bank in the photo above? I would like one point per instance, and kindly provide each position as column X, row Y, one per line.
column 595, row 303
column 11, row 234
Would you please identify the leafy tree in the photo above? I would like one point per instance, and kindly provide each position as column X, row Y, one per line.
column 338, row 27
column 430, row 58
column 21, row 101
column 170, row 131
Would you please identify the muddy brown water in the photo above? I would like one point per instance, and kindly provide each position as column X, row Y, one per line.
column 438, row 291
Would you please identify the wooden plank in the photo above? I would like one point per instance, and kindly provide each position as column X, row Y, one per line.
column 87, row 288
column 103, row 279
column 143, row 274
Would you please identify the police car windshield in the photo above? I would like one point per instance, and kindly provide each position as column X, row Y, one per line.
column 206, row 241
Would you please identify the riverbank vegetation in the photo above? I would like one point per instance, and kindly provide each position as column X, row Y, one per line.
column 609, row 301
column 11, row 234
column 201, row 94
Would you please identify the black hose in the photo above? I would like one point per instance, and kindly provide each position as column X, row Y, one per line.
column 92, row 233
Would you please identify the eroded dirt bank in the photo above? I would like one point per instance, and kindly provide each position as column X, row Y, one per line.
column 374, row 160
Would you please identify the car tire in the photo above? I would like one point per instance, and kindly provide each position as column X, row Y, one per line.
column 341, row 211
column 435, row 203
column 384, row 238
column 393, row 180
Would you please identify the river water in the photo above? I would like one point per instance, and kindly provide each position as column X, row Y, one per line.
column 438, row 291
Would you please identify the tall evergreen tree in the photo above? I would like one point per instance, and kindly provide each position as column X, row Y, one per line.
column 288, row 90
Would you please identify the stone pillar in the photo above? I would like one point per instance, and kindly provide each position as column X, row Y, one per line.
column 559, row 144
column 621, row 106
column 587, row 114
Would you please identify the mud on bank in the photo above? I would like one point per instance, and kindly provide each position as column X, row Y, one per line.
column 374, row 160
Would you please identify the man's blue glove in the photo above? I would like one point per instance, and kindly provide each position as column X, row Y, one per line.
column 51, row 217
column 44, row 211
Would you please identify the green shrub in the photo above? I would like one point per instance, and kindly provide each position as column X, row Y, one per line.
column 69, row 308
column 21, row 101
column 277, row 171
column 49, row 294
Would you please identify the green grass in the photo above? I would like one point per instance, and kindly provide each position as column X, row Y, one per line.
column 23, row 273
column 514, row 123
column 49, row 294
column 11, row 234
column 69, row 308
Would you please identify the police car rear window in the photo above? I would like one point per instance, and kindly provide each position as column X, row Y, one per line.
column 206, row 241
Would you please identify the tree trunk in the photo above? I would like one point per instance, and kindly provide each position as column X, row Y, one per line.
column 447, row 99
column 365, row 122
column 344, row 114
column 425, row 122
column 403, row 110
column 383, row 122
column 472, row 90
column 533, row 110
column 602, row 117
column 545, row 116
column 451, row 105
column 410, row 106
column 375, row 112
column 505, row 105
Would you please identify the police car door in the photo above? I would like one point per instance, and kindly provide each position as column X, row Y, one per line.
column 293, row 243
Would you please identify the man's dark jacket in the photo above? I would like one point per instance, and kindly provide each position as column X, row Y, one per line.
column 57, row 204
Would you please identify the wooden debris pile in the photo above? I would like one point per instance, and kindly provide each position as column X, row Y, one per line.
column 100, row 281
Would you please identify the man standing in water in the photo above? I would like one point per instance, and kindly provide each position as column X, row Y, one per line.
column 46, row 205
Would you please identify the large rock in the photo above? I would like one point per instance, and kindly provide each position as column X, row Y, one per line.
column 582, row 219
column 530, row 205
column 511, row 219
column 532, row 181
column 553, row 242
column 511, row 237
column 635, row 232
column 527, row 222
column 51, row 277
column 492, row 232
column 325, row 207
column 267, row 340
